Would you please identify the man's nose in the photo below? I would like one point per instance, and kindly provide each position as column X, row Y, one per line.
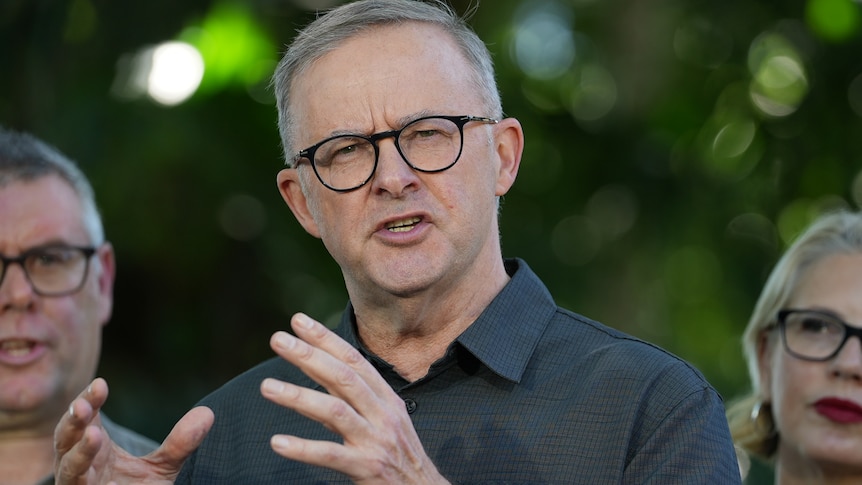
column 393, row 174
column 15, row 288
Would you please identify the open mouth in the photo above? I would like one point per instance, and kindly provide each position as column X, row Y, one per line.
column 17, row 348
column 403, row 225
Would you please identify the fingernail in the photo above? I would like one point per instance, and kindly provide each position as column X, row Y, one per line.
column 72, row 410
column 272, row 386
column 280, row 441
column 304, row 321
column 284, row 340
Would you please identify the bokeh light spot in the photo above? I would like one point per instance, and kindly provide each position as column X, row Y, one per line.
column 833, row 20
column 779, row 80
column 232, row 45
column 168, row 73
column 175, row 72
column 733, row 139
column 594, row 95
column 755, row 228
column 544, row 45
column 733, row 149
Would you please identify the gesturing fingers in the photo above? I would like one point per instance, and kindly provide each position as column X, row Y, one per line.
column 339, row 378
column 75, row 464
column 318, row 453
column 359, row 402
column 320, row 337
column 81, row 413
column 380, row 443
column 78, row 435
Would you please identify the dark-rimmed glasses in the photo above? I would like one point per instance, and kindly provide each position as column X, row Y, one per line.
column 52, row 270
column 429, row 144
column 814, row 335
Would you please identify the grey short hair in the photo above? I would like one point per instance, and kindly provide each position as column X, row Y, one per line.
column 331, row 29
column 25, row 158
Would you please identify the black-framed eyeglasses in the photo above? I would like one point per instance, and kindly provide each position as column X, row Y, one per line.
column 52, row 270
column 429, row 144
column 814, row 335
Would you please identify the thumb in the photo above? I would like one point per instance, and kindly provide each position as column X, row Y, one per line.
column 184, row 438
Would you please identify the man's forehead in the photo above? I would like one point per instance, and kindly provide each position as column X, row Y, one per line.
column 376, row 79
column 38, row 212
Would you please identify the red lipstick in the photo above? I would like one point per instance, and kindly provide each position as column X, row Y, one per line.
column 839, row 410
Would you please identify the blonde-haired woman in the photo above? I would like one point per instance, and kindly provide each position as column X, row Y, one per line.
column 803, row 346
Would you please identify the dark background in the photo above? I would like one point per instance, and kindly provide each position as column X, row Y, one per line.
column 673, row 148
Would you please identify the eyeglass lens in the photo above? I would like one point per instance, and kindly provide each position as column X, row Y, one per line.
column 51, row 271
column 813, row 335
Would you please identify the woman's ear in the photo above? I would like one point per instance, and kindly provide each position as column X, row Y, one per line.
column 765, row 349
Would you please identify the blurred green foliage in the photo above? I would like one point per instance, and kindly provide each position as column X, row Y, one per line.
column 673, row 148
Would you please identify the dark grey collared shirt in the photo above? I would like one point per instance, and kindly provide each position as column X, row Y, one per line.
column 529, row 393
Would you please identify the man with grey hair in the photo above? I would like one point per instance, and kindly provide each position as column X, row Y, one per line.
column 450, row 363
column 56, row 283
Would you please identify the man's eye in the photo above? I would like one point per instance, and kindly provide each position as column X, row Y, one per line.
column 53, row 257
column 427, row 133
column 345, row 150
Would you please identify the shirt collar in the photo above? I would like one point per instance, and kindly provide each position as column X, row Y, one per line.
column 517, row 316
column 508, row 331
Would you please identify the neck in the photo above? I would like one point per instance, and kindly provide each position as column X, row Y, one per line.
column 412, row 333
column 27, row 444
column 805, row 472
column 26, row 460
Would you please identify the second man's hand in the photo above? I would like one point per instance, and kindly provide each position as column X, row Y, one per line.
column 85, row 454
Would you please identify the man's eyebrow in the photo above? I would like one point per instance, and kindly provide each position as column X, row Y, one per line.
column 400, row 122
column 52, row 243
column 415, row 116
column 48, row 244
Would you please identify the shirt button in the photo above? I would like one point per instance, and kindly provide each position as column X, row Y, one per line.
column 411, row 405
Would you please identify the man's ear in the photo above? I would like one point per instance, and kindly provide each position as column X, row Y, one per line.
column 105, row 281
column 291, row 192
column 509, row 146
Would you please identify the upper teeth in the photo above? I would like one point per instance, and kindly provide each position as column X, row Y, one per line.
column 16, row 347
column 402, row 225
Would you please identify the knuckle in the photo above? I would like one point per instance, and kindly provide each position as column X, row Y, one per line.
column 345, row 376
column 304, row 351
column 352, row 357
column 340, row 410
